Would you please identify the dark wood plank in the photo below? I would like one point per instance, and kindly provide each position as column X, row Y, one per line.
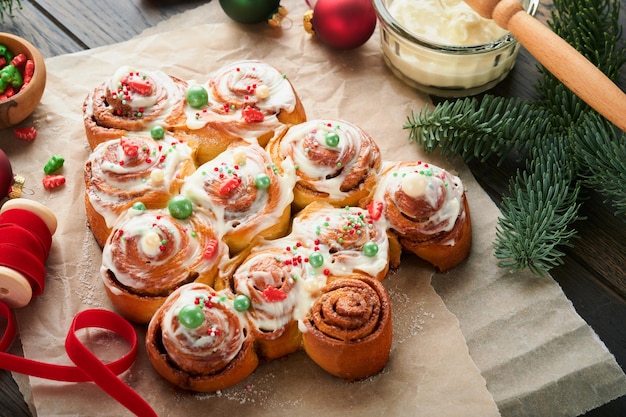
column 35, row 26
column 113, row 22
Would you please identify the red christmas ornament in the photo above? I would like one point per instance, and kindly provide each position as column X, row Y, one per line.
column 6, row 175
column 342, row 24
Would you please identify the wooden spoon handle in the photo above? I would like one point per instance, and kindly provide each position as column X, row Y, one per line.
column 557, row 56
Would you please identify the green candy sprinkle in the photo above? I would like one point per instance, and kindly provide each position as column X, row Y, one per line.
column 197, row 96
column 262, row 181
column 332, row 139
column 241, row 302
column 157, row 132
column 139, row 206
column 191, row 316
column 370, row 249
column 180, row 207
column 316, row 259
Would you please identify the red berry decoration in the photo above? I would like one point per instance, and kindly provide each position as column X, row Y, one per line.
column 342, row 24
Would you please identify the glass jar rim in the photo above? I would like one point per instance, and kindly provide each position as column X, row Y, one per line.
column 390, row 22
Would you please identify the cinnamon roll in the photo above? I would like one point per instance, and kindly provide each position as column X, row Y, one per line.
column 133, row 100
column 343, row 240
column 272, row 281
column 336, row 161
column 122, row 171
column 197, row 341
column 150, row 253
column 427, row 211
column 348, row 332
column 249, row 100
column 248, row 195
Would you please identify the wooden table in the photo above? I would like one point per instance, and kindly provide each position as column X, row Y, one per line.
column 593, row 276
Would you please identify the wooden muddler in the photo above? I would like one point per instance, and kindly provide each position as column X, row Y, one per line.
column 557, row 56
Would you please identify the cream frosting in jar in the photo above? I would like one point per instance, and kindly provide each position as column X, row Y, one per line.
column 446, row 22
column 460, row 53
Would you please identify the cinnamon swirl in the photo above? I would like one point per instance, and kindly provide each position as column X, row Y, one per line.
column 336, row 161
column 272, row 280
column 122, row 171
column 427, row 211
column 343, row 240
column 150, row 253
column 197, row 341
column 249, row 100
column 248, row 195
column 133, row 100
column 348, row 331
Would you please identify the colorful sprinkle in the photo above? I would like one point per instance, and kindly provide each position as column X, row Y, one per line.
column 191, row 316
column 241, row 302
column 180, row 207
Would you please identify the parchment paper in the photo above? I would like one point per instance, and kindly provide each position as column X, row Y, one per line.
column 536, row 354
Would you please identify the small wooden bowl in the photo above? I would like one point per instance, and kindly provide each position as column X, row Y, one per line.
column 18, row 107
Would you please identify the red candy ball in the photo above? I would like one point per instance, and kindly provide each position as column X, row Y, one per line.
column 6, row 175
column 344, row 24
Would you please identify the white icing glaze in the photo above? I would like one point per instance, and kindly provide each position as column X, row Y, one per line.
column 240, row 84
column 155, row 168
column 397, row 176
column 326, row 226
column 196, row 340
column 324, row 176
column 257, row 216
column 141, row 233
column 163, row 84
column 446, row 22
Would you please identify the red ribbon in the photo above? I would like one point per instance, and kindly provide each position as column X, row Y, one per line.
column 88, row 366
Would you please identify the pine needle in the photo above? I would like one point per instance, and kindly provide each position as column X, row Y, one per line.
column 567, row 145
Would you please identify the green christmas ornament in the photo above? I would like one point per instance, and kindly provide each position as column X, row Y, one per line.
column 250, row 11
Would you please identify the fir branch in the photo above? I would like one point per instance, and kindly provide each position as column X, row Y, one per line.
column 6, row 7
column 537, row 217
column 601, row 152
column 478, row 129
column 569, row 145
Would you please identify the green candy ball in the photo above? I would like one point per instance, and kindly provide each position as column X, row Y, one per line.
column 180, row 207
column 139, row 206
column 262, row 181
column 370, row 249
column 157, row 132
column 332, row 139
column 249, row 11
column 316, row 259
column 241, row 302
column 191, row 316
column 197, row 96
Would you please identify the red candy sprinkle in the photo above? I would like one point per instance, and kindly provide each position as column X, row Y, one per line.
column 25, row 133
column 142, row 87
column 228, row 186
column 129, row 146
column 210, row 249
column 375, row 209
column 252, row 115
column 29, row 70
column 53, row 181
column 273, row 294
column 18, row 60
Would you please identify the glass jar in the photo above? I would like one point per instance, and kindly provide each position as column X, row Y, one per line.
column 445, row 70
